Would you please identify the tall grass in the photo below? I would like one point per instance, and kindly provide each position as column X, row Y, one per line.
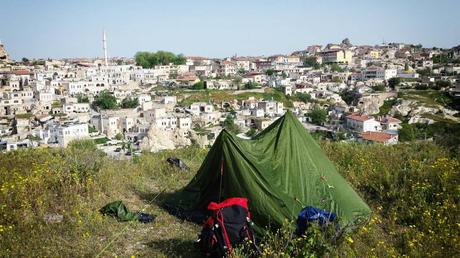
column 413, row 190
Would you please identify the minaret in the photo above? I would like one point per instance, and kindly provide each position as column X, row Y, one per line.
column 104, row 46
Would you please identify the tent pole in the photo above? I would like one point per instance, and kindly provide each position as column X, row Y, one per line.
column 221, row 175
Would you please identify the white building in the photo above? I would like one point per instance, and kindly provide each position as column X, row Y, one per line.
column 110, row 126
column 144, row 98
column 271, row 108
column 201, row 107
column 76, row 107
column 169, row 100
column 63, row 134
column 363, row 123
column 378, row 73
column 163, row 120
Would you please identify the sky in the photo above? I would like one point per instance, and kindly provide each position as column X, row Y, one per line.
column 214, row 28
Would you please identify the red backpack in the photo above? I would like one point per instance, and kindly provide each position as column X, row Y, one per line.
column 228, row 225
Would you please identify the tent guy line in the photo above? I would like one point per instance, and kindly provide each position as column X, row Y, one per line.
column 127, row 225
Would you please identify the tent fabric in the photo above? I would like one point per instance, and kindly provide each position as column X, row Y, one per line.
column 280, row 171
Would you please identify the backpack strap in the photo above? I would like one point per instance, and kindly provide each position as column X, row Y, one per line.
column 243, row 202
column 220, row 218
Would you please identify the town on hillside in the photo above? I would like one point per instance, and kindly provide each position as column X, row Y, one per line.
column 159, row 100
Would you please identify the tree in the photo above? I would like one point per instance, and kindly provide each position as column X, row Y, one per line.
column 421, row 86
column 82, row 98
column 349, row 96
column 424, row 72
column 406, row 66
column 336, row 68
column 311, row 62
column 318, row 116
column 105, row 100
column 407, row 132
column 251, row 132
column 142, row 59
column 25, row 60
column 229, row 124
column 393, row 82
column 304, row 97
column 119, row 136
column 269, row 72
column 250, row 85
column 442, row 84
column 198, row 85
column 379, row 87
column 150, row 59
column 179, row 60
column 129, row 102
column 441, row 59
column 38, row 62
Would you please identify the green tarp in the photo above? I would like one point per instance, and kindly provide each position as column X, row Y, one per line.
column 118, row 210
column 280, row 171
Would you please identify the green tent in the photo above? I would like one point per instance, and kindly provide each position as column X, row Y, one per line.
column 280, row 171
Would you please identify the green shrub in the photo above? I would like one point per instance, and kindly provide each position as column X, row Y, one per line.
column 304, row 97
column 129, row 102
column 380, row 87
column 251, row 85
column 199, row 85
column 105, row 100
column 318, row 116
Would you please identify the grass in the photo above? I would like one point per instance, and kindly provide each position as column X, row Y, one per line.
column 76, row 183
column 386, row 107
column 24, row 115
column 215, row 96
column 438, row 118
column 101, row 140
column 219, row 96
column 430, row 98
column 411, row 188
column 409, row 79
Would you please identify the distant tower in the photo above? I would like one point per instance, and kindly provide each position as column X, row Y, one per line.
column 104, row 46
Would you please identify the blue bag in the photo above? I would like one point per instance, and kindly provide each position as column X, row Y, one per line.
column 309, row 214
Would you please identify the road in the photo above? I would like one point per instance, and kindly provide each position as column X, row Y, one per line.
column 110, row 151
column 313, row 127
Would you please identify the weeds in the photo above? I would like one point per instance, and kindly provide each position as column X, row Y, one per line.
column 49, row 202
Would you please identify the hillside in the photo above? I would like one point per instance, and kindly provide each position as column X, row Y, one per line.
column 413, row 190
